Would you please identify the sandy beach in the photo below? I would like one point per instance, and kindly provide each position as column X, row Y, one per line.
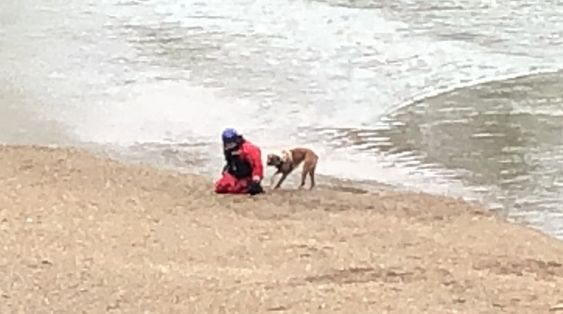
column 85, row 234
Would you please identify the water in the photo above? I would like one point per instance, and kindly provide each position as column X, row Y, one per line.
column 417, row 94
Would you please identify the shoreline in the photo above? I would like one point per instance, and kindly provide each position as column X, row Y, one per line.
column 82, row 231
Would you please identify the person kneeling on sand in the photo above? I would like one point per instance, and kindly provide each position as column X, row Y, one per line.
column 244, row 170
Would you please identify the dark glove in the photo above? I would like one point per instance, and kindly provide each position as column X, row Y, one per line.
column 255, row 188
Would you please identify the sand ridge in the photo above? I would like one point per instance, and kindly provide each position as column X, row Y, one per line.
column 85, row 234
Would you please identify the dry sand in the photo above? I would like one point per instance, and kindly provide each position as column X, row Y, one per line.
column 82, row 234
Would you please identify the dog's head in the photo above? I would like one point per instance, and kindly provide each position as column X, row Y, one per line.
column 273, row 160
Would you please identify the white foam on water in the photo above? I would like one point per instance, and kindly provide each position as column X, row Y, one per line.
column 164, row 111
column 381, row 66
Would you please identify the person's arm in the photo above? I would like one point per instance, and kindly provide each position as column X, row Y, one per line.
column 254, row 156
column 228, row 157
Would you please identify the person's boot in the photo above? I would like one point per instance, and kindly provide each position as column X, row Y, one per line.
column 255, row 188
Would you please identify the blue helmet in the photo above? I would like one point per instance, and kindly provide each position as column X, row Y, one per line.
column 229, row 135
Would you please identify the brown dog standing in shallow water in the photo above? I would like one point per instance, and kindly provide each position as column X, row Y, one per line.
column 290, row 160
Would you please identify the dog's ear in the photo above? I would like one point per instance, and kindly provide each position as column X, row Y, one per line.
column 273, row 159
column 269, row 159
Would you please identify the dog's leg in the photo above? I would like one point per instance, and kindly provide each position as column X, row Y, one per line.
column 308, row 169
column 312, row 175
column 272, row 181
column 284, row 175
column 304, row 175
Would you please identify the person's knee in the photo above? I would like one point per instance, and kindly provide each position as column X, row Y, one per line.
column 221, row 187
column 230, row 185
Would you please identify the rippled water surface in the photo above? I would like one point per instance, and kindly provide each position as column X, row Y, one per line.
column 419, row 94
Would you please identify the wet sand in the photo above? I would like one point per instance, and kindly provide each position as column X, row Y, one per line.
column 85, row 234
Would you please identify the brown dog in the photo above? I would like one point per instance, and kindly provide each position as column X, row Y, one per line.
column 290, row 160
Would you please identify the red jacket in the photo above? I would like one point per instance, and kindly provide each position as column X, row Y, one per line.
column 254, row 156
